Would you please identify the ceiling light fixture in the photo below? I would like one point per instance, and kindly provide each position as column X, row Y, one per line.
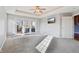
column 38, row 11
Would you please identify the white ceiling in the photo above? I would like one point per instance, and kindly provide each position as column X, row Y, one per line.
column 49, row 10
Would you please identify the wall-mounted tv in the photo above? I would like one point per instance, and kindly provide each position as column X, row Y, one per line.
column 51, row 20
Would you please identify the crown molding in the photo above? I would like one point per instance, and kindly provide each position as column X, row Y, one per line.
column 28, row 17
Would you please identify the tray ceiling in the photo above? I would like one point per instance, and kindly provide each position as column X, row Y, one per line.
column 49, row 10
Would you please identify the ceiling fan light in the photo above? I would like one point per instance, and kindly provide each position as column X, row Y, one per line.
column 38, row 12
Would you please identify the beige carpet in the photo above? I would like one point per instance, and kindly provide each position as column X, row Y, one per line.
column 27, row 45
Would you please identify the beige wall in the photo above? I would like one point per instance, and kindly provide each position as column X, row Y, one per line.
column 53, row 29
column 62, row 28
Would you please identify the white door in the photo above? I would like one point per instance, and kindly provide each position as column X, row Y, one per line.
column 67, row 27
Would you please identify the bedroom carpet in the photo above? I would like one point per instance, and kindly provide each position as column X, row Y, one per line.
column 28, row 44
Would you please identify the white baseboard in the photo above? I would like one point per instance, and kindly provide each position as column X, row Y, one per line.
column 63, row 38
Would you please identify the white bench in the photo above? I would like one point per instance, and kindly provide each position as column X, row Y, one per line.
column 42, row 46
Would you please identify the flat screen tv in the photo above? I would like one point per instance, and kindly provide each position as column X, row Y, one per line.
column 51, row 20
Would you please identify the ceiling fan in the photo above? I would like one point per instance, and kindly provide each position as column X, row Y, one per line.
column 37, row 11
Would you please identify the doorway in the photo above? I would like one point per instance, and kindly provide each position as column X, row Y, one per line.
column 76, row 27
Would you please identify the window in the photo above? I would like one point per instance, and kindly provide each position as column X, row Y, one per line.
column 26, row 26
column 19, row 26
column 33, row 27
